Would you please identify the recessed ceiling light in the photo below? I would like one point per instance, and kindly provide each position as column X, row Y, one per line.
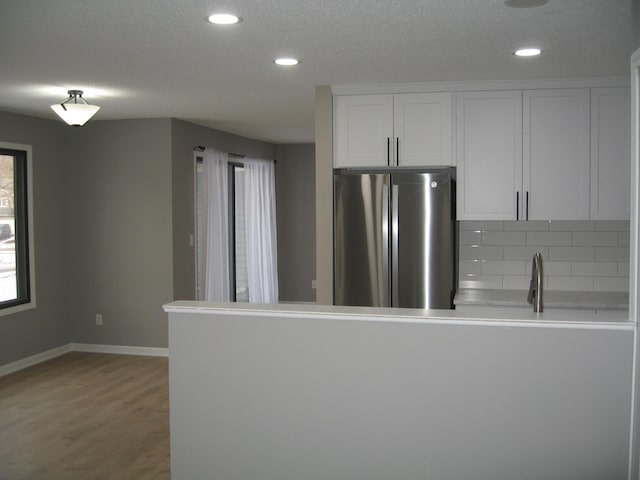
column 287, row 62
column 223, row 19
column 525, row 3
column 527, row 52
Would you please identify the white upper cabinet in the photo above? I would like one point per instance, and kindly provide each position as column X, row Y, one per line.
column 393, row 130
column 556, row 154
column 489, row 150
column 610, row 157
column 363, row 130
column 544, row 153
column 422, row 128
column 523, row 155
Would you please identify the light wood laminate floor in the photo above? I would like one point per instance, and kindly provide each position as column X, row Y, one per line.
column 86, row 416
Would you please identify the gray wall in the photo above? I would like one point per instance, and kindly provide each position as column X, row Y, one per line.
column 184, row 137
column 113, row 208
column 119, row 231
column 47, row 326
column 296, row 218
column 151, row 261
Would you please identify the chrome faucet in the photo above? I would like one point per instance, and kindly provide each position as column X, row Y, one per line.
column 535, row 287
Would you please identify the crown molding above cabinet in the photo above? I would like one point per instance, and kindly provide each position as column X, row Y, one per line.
column 380, row 88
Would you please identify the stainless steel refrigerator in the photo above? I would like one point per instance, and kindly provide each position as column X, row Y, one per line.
column 395, row 238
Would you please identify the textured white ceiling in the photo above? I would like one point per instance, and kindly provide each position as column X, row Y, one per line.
column 160, row 58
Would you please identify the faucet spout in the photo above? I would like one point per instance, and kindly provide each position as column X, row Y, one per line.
column 535, row 287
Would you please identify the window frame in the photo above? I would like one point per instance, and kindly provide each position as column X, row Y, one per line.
column 233, row 167
column 27, row 252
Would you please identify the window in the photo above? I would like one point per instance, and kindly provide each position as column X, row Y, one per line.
column 237, row 232
column 235, row 228
column 16, row 246
column 238, row 272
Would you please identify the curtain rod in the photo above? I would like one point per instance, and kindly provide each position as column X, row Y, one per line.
column 202, row 149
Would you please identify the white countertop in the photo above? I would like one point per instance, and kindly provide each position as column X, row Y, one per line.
column 552, row 299
column 463, row 315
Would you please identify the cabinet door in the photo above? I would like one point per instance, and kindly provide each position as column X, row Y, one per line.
column 489, row 149
column 610, row 160
column 363, row 130
column 556, row 149
column 422, row 127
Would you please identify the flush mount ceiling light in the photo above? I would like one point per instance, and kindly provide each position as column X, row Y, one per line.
column 223, row 19
column 527, row 52
column 74, row 113
column 286, row 62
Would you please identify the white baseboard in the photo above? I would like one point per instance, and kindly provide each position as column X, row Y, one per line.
column 81, row 347
column 120, row 349
column 34, row 359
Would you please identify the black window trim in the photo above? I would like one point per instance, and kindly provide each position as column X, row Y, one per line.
column 25, row 262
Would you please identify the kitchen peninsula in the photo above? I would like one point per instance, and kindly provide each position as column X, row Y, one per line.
column 315, row 392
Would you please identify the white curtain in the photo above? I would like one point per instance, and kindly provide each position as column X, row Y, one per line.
column 216, row 226
column 260, row 215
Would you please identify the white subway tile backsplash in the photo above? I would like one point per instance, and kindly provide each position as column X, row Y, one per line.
column 594, row 269
column 549, row 238
column 524, row 252
column 623, row 269
column 466, row 267
column 503, row 267
column 571, row 226
column 577, row 256
column 481, row 252
column 481, row 226
column 556, row 268
column 470, row 237
column 624, row 239
column 490, row 282
column 618, row 254
column 612, row 225
column 596, row 239
column 516, row 282
column 611, row 284
column 531, row 226
column 572, row 254
column 573, row 284
column 503, row 238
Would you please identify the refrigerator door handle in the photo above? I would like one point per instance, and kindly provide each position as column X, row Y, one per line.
column 394, row 245
column 385, row 244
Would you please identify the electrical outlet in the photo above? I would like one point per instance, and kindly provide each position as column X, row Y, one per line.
column 98, row 319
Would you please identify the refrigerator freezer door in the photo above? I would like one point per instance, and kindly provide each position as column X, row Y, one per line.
column 361, row 243
column 422, row 245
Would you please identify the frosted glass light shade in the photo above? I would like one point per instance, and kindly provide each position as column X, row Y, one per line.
column 75, row 114
column 527, row 52
column 224, row 19
column 287, row 62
